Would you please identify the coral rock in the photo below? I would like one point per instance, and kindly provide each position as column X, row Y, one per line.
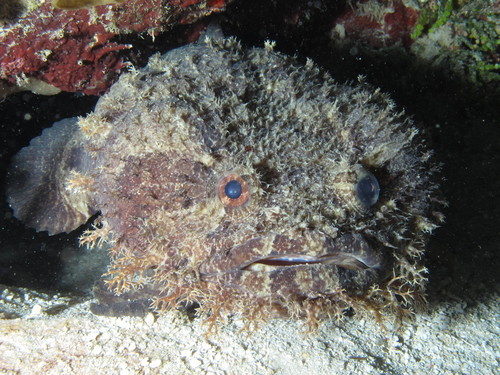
column 73, row 50
column 377, row 23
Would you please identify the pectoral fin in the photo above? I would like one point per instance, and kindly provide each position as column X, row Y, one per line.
column 38, row 180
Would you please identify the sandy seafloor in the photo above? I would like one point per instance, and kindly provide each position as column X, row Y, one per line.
column 59, row 336
column 50, row 333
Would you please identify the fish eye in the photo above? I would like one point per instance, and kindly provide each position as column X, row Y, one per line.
column 233, row 190
column 367, row 189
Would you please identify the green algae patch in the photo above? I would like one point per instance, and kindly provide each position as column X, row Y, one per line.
column 474, row 28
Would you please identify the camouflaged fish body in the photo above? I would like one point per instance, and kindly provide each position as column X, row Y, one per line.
column 243, row 180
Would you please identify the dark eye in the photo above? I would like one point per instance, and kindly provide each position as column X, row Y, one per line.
column 368, row 189
column 233, row 190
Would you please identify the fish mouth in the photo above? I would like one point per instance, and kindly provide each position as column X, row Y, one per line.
column 339, row 259
column 274, row 253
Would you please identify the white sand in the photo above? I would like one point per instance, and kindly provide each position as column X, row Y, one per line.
column 58, row 335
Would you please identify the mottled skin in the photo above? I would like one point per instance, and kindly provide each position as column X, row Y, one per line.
column 158, row 151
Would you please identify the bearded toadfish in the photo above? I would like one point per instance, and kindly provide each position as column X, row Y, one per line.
column 242, row 180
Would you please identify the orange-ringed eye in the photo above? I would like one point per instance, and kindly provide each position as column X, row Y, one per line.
column 233, row 190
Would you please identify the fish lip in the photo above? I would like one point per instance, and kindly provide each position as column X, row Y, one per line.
column 351, row 251
column 339, row 259
column 348, row 251
column 283, row 260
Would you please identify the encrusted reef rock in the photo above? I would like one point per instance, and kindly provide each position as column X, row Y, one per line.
column 71, row 45
column 243, row 180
